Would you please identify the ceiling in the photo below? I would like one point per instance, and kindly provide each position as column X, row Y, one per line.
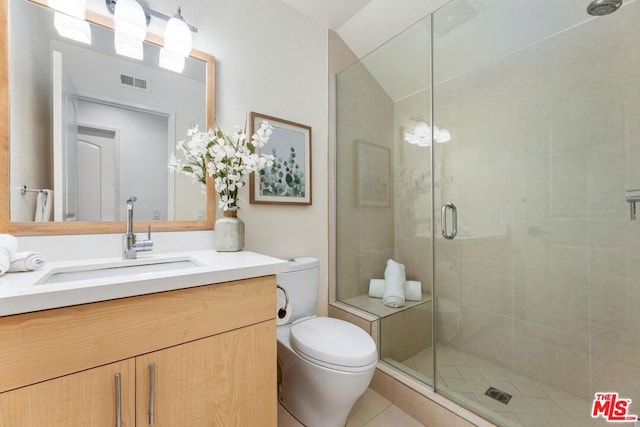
column 467, row 33
column 366, row 24
column 332, row 13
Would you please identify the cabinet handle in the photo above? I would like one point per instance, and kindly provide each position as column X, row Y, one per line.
column 152, row 393
column 118, row 401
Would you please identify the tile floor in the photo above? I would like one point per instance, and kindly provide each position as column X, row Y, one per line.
column 371, row 410
column 465, row 378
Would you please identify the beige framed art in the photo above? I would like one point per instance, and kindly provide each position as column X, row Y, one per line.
column 288, row 180
column 374, row 171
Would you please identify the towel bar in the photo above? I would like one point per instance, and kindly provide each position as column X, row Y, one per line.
column 24, row 190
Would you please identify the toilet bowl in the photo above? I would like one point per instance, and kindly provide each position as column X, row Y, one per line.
column 326, row 364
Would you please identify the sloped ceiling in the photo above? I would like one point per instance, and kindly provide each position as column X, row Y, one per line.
column 332, row 13
column 366, row 24
column 467, row 34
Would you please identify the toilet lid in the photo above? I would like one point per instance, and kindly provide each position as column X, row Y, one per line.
column 333, row 341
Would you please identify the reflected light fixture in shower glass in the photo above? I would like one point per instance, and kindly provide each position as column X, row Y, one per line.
column 421, row 135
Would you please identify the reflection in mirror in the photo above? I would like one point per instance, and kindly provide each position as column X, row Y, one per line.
column 97, row 128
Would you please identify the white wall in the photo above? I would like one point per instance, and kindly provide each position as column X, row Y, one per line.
column 273, row 60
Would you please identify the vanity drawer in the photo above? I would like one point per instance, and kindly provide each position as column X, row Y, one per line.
column 48, row 344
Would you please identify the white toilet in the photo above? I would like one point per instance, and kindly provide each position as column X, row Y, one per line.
column 326, row 363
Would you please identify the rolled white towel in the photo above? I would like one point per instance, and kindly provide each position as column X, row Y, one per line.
column 27, row 261
column 8, row 249
column 394, row 278
column 412, row 289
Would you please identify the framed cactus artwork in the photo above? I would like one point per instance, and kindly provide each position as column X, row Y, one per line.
column 287, row 180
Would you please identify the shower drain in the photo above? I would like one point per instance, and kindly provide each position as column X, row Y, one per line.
column 499, row 395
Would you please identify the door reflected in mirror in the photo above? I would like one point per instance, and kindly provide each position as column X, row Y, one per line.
column 97, row 128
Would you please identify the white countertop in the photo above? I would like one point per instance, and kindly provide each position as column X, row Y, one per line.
column 20, row 293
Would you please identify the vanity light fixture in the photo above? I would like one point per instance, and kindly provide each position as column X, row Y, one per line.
column 69, row 19
column 130, row 28
column 131, row 18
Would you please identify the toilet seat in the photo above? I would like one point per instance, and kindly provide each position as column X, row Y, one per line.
column 334, row 344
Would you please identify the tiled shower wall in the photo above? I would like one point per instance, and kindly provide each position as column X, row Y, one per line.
column 364, row 233
column 544, row 277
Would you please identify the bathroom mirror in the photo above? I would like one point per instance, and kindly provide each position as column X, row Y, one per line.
column 123, row 90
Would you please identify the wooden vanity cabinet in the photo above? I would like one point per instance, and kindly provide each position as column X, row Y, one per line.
column 226, row 384
column 211, row 349
column 86, row 398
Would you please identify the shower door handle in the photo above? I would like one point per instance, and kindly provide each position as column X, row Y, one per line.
column 454, row 221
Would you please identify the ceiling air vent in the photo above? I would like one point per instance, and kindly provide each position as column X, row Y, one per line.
column 134, row 82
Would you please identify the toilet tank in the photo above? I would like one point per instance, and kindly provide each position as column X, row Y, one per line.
column 301, row 284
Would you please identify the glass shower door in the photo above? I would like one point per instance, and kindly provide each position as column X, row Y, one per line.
column 384, row 191
column 537, row 295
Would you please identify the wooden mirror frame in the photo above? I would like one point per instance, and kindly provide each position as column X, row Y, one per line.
column 87, row 227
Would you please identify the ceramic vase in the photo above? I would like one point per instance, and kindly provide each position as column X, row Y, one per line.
column 229, row 232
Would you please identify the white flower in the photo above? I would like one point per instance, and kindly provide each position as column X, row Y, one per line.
column 226, row 157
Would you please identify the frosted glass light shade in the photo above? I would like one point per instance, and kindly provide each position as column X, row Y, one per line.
column 443, row 136
column 171, row 61
column 422, row 133
column 72, row 28
column 128, row 46
column 177, row 37
column 422, row 130
column 75, row 8
column 129, row 20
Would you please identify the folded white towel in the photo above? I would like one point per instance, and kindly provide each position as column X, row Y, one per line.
column 8, row 249
column 394, row 278
column 27, row 261
column 412, row 289
column 44, row 206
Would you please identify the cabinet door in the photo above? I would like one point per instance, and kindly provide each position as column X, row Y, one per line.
column 83, row 399
column 224, row 380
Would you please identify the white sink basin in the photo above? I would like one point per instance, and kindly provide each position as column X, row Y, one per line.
column 115, row 269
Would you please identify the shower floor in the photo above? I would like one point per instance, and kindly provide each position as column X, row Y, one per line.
column 465, row 378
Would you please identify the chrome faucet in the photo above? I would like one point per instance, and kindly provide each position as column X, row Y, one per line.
column 131, row 247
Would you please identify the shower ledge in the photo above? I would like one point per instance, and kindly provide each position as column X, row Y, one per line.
column 375, row 305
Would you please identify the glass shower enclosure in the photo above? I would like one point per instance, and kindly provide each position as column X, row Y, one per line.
column 492, row 149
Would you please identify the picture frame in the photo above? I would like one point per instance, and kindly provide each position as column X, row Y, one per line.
column 288, row 181
column 374, row 169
